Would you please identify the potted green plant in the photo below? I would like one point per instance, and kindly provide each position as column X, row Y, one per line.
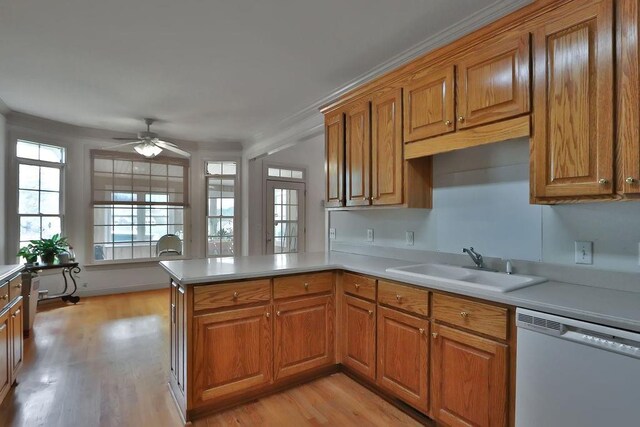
column 29, row 253
column 49, row 248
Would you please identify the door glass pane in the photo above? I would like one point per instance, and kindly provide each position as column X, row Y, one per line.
column 285, row 220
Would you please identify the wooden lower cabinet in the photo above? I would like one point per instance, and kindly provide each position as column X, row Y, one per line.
column 232, row 352
column 359, row 336
column 469, row 379
column 16, row 338
column 403, row 357
column 5, row 354
column 304, row 335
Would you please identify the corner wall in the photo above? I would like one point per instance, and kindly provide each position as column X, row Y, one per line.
column 3, row 183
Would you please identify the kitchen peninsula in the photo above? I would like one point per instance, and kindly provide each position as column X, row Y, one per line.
column 246, row 327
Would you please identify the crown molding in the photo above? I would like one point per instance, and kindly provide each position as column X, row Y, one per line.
column 270, row 137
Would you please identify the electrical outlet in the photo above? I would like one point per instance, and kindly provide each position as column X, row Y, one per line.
column 408, row 236
column 584, row 252
column 332, row 233
column 369, row 234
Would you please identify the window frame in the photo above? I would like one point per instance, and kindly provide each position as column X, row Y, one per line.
column 61, row 166
column 237, row 210
column 161, row 159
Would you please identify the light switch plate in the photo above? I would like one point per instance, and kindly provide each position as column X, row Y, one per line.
column 369, row 234
column 332, row 233
column 584, row 252
column 409, row 238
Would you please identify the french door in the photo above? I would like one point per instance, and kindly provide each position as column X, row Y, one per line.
column 286, row 229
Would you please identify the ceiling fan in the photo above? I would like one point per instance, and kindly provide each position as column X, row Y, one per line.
column 149, row 145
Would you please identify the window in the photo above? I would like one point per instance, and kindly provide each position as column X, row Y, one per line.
column 135, row 203
column 221, row 208
column 40, row 178
column 276, row 172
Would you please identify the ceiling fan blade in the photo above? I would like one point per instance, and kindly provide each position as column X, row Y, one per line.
column 124, row 139
column 167, row 142
column 171, row 147
column 110, row 147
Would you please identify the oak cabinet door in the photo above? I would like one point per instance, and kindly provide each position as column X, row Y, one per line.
column 469, row 377
column 17, row 348
column 173, row 330
column 627, row 89
column 358, row 154
column 403, row 357
column 232, row 352
column 386, row 147
column 304, row 335
column 429, row 104
column 335, row 146
column 573, row 102
column 493, row 81
column 359, row 335
column 5, row 354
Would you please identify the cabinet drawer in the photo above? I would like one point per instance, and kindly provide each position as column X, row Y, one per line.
column 404, row 297
column 15, row 288
column 231, row 294
column 476, row 316
column 302, row 284
column 4, row 295
column 359, row 286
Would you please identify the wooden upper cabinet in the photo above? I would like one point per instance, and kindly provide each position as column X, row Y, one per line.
column 304, row 335
column 386, row 147
column 573, row 101
column 359, row 336
column 493, row 81
column 358, row 154
column 628, row 100
column 334, row 146
column 232, row 352
column 469, row 379
column 403, row 357
column 429, row 104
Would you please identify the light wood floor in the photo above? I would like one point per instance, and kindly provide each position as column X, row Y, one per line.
column 104, row 362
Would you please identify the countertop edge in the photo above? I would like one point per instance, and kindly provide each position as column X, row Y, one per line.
column 11, row 272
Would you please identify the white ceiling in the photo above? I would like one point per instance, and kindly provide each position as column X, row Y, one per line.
column 209, row 70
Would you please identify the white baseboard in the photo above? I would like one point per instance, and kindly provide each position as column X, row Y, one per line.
column 121, row 289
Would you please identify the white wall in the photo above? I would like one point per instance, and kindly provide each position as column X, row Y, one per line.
column 308, row 154
column 481, row 200
column 3, row 177
column 78, row 214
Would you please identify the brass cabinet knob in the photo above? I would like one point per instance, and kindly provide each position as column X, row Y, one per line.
column 370, row 312
column 464, row 314
column 357, row 285
column 306, row 286
column 603, row 181
column 278, row 313
column 630, row 180
column 267, row 314
column 398, row 297
column 421, row 331
column 235, row 295
column 448, row 122
column 461, row 119
column 434, row 334
column 18, row 286
column 4, row 297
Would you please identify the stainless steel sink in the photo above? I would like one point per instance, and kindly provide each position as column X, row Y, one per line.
column 480, row 279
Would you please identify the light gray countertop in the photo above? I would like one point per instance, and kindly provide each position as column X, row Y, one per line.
column 620, row 309
column 7, row 271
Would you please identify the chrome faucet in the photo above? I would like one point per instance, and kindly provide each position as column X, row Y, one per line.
column 476, row 257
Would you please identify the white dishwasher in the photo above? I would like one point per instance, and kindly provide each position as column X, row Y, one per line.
column 572, row 373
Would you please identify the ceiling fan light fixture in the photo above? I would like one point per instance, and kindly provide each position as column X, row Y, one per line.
column 148, row 149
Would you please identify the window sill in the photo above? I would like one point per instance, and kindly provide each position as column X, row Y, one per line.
column 131, row 263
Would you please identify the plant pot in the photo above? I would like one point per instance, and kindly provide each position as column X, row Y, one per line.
column 63, row 258
column 31, row 260
column 48, row 257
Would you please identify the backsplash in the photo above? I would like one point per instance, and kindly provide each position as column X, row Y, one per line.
column 481, row 199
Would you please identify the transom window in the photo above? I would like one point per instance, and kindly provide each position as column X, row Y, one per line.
column 135, row 203
column 221, row 208
column 40, row 198
column 276, row 172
